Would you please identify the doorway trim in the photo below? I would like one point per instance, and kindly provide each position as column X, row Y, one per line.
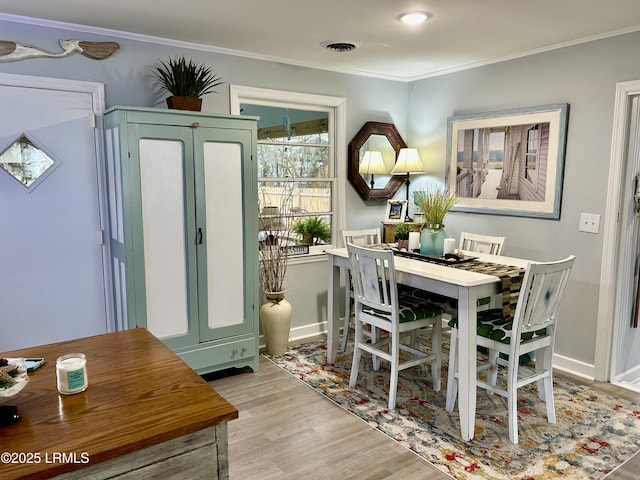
column 606, row 324
column 96, row 91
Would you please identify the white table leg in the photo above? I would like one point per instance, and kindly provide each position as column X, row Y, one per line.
column 333, row 306
column 467, row 361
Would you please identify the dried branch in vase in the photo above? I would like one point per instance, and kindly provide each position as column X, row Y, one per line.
column 274, row 223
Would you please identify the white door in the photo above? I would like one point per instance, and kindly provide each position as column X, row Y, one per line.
column 626, row 340
column 52, row 284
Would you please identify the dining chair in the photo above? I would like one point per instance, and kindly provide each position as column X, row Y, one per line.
column 473, row 242
column 379, row 305
column 481, row 243
column 368, row 236
column 532, row 329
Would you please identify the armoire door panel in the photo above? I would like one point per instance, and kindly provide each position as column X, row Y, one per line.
column 163, row 225
column 161, row 243
column 220, row 174
column 223, row 200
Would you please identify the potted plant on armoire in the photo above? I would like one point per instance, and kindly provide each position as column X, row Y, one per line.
column 186, row 80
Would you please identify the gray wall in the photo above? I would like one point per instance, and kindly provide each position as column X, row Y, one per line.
column 584, row 76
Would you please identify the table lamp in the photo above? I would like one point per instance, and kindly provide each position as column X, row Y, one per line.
column 408, row 162
column 372, row 164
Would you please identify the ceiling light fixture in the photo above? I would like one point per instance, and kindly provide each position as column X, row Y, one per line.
column 414, row 18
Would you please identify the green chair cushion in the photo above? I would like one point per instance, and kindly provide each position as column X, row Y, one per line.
column 413, row 305
column 452, row 303
column 493, row 325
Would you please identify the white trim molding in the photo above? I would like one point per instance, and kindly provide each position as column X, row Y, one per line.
column 605, row 326
column 241, row 94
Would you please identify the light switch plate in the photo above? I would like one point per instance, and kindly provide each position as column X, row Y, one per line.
column 589, row 222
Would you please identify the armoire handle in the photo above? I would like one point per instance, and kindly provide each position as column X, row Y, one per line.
column 199, row 236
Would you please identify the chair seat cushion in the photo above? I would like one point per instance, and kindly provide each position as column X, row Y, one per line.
column 493, row 325
column 450, row 304
column 413, row 305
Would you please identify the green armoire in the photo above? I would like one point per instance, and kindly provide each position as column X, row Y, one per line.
column 182, row 196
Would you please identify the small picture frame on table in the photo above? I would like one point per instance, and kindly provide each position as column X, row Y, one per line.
column 396, row 211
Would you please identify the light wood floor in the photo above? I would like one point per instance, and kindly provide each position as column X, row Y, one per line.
column 286, row 430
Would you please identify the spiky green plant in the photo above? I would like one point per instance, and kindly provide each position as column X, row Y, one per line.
column 434, row 203
column 402, row 230
column 313, row 227
column 186, row 78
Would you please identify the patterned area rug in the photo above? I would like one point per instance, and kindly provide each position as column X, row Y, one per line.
column 593, row 435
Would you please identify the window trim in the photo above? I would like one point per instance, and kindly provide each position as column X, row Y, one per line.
column 262, row 96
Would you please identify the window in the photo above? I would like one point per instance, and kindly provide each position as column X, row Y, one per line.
column 26, row 162
column 300, row 159
column 531, row 154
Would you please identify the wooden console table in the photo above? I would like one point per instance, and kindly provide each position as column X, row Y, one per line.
column 388, row 231
column 146, row 414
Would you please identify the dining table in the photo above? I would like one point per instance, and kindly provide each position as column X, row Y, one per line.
column 464, row 285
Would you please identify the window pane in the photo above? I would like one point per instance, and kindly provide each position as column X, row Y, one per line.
column 296, row 198
column 25, row 161
column 297, row 161
column 289, row 125
column 295, row 173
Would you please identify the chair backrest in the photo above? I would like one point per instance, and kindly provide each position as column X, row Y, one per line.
column 481, row 243
column 374, row 279
column 540, row 297
column 367, row 236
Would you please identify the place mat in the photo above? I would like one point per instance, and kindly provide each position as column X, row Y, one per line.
column 510, row 276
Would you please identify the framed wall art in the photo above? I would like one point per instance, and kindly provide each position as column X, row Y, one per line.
column 396, row 211
column 509, row 162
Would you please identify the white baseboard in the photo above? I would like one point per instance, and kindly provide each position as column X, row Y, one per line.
column 306, row 331
column 574, row 367
column 300, row 333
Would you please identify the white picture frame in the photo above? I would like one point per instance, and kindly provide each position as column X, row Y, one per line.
column 530, row 182
column 396, row 211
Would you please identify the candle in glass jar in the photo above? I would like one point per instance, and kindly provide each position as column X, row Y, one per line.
column 71, row 373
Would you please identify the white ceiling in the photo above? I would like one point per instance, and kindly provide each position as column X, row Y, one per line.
column 461, row 34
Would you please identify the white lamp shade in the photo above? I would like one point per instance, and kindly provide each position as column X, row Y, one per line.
column 372, row 163
column 408, row 162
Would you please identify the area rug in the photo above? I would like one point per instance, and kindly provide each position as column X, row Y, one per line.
column 593, row 435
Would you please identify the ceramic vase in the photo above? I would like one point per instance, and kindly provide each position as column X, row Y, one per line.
column 432, row 239
column 275, row 318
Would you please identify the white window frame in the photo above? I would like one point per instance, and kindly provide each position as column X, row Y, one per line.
column 338, row 164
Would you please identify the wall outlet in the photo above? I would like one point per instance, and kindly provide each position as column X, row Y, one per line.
column 589, row 222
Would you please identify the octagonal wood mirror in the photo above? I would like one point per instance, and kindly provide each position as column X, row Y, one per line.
column 375, row 137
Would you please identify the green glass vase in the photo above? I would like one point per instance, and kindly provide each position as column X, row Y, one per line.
column 432, row 239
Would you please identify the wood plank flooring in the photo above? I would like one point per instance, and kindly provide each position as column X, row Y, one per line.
column 286, row 430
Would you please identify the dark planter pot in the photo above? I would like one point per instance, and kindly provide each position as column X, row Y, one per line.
column 184, row 103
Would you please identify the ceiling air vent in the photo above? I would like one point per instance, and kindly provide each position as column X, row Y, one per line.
column 339, row 46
